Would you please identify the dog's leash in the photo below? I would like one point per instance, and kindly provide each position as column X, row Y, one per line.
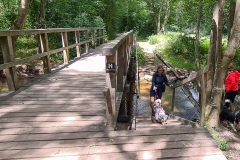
column 156, row 93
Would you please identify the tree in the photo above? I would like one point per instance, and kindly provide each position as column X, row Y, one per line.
column 21, row 17
column 223, row 60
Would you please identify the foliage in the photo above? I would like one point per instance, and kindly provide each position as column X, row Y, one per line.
column 140, row 54
column 222, row 144
column 179, row 49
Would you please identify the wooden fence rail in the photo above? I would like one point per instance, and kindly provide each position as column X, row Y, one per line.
column 200, row 74
column 118, row 54
column 44, row 53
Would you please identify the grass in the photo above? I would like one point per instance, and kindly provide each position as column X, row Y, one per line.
column 179, row 49
column 222, row 144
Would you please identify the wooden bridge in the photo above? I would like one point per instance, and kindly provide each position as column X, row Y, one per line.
column 70, row 113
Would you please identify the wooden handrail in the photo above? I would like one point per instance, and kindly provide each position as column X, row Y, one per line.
column 8, row 54
column 203, row 74
column 118, row 54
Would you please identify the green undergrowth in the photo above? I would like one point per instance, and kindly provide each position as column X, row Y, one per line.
column 140, row 54
column 179, row 49
column 222, row 143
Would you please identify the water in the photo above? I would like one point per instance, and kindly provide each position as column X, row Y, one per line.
column 183, row 107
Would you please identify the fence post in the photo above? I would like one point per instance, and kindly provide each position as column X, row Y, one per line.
column 44, row 48
column 102, row 34
column 65, row 44
column 98, row 40
column 86, row 43
column 203, row 98
column 93, row 39
column 173, row 100
column 77, row 40
column 111, row 84
column 8, row 56
column 120, row 64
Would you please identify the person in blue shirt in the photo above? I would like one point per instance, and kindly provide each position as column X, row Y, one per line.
column 159, row 81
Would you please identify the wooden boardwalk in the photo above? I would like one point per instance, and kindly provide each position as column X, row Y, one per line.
column 61, row 116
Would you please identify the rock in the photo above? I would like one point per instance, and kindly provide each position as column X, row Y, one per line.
column 148, row 78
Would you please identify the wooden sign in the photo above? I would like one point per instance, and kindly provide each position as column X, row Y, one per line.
column 110, row 68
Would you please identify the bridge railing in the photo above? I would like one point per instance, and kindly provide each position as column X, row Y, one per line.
column 202, row 76
column 118, row 54
column 97, row 38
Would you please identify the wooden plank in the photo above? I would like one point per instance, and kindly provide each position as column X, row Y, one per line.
column 107, row 95
column 112, row 47
column 93, row 150
column 208, row 152
column 40, row 31
column 50, row 130
column 51, row 119
column 96, row 135
column 69, row 107
column 46, row 124
column 102, row 142
column 45, row 113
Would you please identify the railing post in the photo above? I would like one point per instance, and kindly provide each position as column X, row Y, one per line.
column 120, row 64
column 87, row 43
column 77, row 40
column 173, row 100
column 93, row 39
column 203, row 98
column 125, row 58
column 8, row 56
column 102, row 34
column 98, row 40
column 44, row 48
column 111, row 84
column 65, row 44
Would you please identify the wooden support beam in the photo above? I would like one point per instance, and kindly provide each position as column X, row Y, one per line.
column 87, row 43
column 107, row 95
column 173, row 100
column 102, row 34
column 77, row 40
column 203, row 98
column 93, row 39
column 44, row 48
column 120, row 64
column 98, row 40
column 65, row 44
column 8, row 56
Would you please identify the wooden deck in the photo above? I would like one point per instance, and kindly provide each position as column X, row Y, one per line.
column 61, row 116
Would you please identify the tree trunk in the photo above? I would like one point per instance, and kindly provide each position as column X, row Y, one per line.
column 226, row 58
column 166, row 16
column 197, row 35
column 21, row 18
column 231, row 16
column 216, row 92
column 211, row 61
column 159, row 16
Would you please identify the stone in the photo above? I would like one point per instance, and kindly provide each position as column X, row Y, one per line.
column 148, row 78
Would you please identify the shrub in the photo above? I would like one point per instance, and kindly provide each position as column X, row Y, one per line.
column 141, row 55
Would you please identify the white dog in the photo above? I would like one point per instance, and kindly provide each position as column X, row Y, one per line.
column 160, row 114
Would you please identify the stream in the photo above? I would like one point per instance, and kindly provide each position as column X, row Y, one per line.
column 183, row 107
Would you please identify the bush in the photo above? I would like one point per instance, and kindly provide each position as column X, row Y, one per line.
column 141, row 55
